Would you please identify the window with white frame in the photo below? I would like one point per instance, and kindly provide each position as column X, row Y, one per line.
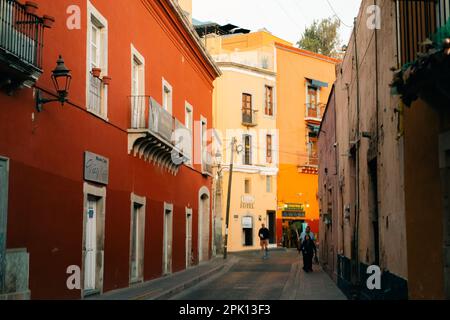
column 167, row 96
column 189, row 123
column 97, row 59
column 204, row 143
column 138, row 100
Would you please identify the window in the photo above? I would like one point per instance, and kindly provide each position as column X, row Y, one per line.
column 247, row 186
column 247, row 150
column 138, row 101
column 268, row 184
column 269, row 101
column 204, row 145
column 97, row 58
column 312, row 110
column 312, row 150
column 269, row 148
column 167, row 96
column 247, row 113
column 137, row 239
column 189, row 123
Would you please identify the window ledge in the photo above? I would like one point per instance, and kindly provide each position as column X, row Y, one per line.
column 100, row 116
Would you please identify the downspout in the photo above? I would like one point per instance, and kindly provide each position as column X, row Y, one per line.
column 377, row 106
column 356, row 236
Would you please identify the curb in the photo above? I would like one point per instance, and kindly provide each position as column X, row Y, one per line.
column 179, row 288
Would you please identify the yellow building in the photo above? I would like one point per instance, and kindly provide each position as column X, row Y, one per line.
column 304, row 81
column 259, row 67
column 245, row 109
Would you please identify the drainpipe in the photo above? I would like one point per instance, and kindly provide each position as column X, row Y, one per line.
column 377, row 106
column 357, row 146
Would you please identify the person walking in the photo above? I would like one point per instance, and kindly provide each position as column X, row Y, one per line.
column 308, row 249
column 307, row 232
column 264, row 235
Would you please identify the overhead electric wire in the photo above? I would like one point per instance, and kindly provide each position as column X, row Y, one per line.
column 337, row 16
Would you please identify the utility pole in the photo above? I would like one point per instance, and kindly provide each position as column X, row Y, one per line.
column 230, row 179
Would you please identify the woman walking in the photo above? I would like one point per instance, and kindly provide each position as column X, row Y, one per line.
column 308, row 249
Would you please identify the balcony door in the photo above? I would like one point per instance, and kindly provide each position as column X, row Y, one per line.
column 247, row 108
column 167, row 243
column 138, row 90
column 203, row 230
column 90, row 261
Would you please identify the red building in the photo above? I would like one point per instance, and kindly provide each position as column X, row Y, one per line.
column 91, row 188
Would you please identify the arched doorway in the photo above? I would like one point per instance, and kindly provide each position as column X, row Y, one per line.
column 204, row 214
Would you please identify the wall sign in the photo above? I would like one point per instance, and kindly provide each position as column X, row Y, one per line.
column 96, row 168
column 247, row 223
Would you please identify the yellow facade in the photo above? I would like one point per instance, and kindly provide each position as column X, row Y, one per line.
column 299, row 72
column 254, row 186
column 249, row 63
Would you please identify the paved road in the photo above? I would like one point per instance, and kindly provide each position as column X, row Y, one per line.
column 278, row 278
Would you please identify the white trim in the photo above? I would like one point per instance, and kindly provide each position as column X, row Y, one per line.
column 166, row 84
column 249, row 72
column 136, row 54
column 92, row 11
column 203, row 121
column 100, row 192
column 264, row 171
column 142, row 202
column 203, row 191
column 188, row 106
column 189, row 215
column 167, row 207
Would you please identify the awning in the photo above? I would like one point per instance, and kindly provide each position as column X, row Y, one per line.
column 317, row 83
column 314, row 128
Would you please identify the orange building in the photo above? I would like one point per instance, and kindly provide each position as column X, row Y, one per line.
column 304, row 81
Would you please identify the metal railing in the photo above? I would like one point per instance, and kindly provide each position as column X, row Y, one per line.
column 148, row 114
column 315, row 111
column 21, row 33
column 249, row 117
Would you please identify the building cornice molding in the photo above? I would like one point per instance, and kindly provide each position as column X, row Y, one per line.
column 307, row 53
column 176, row 26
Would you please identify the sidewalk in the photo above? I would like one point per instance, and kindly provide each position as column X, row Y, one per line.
column 316, row 285
column 167, row 286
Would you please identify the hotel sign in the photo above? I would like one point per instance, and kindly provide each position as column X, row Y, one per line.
column 96, row 168
column 293, row 210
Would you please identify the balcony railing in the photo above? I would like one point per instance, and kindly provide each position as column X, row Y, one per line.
column 315, row 111
column 146, row 113
column 154, row 131
column 21, row 33
column 249, row 118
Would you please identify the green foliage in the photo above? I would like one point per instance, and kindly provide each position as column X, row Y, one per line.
column 322, row 37
column 441, row 34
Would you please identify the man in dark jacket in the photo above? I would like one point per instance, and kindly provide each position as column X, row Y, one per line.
column 308, row 249
column 264, row 235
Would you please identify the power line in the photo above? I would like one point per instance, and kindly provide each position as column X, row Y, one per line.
column 337, row 16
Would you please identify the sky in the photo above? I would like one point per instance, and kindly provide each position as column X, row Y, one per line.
column 286, row 19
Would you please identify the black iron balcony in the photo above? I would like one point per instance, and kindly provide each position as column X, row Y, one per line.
column 156, row 136
column 249, row 118
column 21, row 44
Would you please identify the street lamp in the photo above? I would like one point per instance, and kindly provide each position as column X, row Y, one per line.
column 61, row 79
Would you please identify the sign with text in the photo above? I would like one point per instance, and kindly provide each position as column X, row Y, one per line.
column 247, row 223
column 96, row 168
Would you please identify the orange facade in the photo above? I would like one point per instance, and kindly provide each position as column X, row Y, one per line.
column 304, row 81
column 46, row 152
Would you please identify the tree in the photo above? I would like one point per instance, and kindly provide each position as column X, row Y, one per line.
column 322, row 37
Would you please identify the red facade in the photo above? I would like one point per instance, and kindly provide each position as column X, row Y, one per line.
column 46, row 201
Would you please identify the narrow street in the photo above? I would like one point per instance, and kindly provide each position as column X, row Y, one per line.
column 278, row 278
